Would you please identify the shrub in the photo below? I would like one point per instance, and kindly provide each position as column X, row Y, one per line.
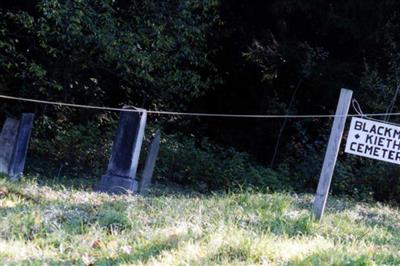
column 60, row 147
column 209, row 166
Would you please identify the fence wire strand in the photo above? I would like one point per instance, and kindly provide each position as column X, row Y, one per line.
column 173, row 113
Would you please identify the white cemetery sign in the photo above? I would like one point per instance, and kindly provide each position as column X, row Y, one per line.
column 375, row 140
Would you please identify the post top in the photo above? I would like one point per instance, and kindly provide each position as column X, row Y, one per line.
column 131, row 107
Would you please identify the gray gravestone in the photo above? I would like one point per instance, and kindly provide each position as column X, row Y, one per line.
column 122, row 167
column 7, row 142
column 18, row 157
column 147, row 175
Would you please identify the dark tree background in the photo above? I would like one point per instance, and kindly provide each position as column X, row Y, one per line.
column 248, row 57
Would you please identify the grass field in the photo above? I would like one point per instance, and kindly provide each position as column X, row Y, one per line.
column 70, row 225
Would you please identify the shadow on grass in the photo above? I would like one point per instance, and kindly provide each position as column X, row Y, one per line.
column 141, row 255
column 40, row 219
column 89, row 183
column 144, row 254
column 340, row 257
column 84, row 184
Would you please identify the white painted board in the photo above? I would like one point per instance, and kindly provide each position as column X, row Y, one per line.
column 375, row 140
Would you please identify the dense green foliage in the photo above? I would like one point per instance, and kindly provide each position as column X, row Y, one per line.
column 103, row 52
column 264, row 57
column 207, row 166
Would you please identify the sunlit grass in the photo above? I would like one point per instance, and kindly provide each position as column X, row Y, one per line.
column 58, row 224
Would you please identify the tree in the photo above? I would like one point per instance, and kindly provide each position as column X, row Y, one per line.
column 108, row 52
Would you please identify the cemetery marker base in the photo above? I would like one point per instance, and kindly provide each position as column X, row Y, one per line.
column 117, row 185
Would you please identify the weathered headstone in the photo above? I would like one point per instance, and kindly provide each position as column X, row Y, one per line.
column 150, row 163
column 122, row 167
column 14, row 142
column 7, row 142
column 18, row 158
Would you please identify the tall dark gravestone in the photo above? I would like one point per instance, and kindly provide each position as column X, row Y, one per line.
column 18, row 158
column 122, row 167
column 8, row 137
column 150, row 163
column 14, row 142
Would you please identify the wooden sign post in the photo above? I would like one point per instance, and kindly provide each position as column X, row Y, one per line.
column 332, row 153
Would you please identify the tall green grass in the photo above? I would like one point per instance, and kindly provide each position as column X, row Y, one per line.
column 71, row 225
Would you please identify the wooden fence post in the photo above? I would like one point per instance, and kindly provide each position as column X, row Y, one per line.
column 332, row 153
